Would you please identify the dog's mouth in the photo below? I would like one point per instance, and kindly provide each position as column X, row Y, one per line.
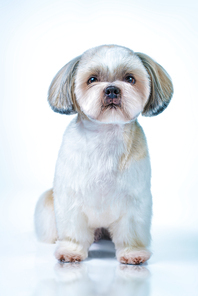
column 113, row 106
column 110, row 106
column 112, row 98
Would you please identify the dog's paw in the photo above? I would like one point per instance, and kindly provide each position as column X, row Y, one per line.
column 69, row 257
column 68, row 251
column 136, row 257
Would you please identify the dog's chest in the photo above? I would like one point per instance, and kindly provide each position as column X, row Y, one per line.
column 102, row 152
column 90, row 158
column 89, row 175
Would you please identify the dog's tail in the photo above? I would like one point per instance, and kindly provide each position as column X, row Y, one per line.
column 44, row 218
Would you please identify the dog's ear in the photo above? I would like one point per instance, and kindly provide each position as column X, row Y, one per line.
column 161, row 86
column 61, row 95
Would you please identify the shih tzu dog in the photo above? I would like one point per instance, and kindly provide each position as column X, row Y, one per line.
column 102, row 177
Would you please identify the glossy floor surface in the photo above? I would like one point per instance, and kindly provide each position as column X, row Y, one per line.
column 29, row 268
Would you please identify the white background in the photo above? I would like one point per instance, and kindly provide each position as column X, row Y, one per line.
column 39, row 37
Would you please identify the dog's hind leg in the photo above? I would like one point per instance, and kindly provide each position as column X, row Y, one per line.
column 44, row 218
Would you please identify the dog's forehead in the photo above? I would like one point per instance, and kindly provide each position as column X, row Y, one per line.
column 112, row 55
column 109, row 57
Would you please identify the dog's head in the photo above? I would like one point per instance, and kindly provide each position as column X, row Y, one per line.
column 111, row 84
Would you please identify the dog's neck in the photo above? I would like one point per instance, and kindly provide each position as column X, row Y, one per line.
column 97, row 126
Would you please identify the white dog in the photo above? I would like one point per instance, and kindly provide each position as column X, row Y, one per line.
column 102, row 177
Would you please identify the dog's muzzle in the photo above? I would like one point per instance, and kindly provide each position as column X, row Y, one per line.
column 112, row 96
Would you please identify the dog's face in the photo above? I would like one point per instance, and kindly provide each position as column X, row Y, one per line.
column 111, row 84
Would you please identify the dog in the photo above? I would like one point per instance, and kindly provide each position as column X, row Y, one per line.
column 102, row 176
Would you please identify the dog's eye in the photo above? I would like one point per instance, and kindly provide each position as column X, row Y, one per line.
column 130, row 79
column 92, row 79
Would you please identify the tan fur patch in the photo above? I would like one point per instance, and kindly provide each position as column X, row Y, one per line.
column 135, row 145
column 161, row 86
column 81, row 116
column 49, row 199
column 61, row 92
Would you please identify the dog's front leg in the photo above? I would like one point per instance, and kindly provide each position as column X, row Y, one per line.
column 75, row 237
column 131, row 235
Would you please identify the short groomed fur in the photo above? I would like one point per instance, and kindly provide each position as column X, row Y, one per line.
column 102, row 178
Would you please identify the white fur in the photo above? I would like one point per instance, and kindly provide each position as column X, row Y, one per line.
column 45, row 220
column 91, row 189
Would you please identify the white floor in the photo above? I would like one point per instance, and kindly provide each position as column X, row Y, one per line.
column 28, row 267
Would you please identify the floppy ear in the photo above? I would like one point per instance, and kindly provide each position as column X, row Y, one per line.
column 161, row 86
column 61, row 95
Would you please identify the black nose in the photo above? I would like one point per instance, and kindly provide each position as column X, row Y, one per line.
column 112, row 92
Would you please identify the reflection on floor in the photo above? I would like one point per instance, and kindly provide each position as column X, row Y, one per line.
column 100, row 274
column 29, row 268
